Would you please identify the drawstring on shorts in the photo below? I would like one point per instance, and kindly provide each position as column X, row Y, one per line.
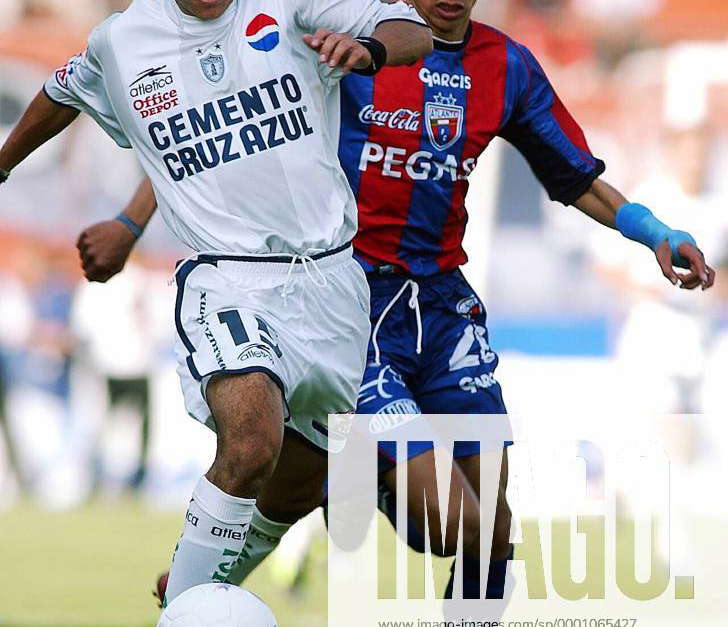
column 305, row 260
column 414, row 303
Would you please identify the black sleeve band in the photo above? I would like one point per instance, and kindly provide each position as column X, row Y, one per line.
column 4, row 175
column 379, row 55
column 60, row 104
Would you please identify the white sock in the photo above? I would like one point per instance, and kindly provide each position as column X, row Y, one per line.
column 214, row 535
column 263, row 537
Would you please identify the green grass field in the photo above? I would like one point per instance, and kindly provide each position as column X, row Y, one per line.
column 97, row 565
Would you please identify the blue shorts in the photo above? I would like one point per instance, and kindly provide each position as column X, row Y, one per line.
column 453, row 373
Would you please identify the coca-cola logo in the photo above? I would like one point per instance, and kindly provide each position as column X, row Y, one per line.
column 400, row 119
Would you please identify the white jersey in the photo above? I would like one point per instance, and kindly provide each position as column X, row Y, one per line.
column 234, row 120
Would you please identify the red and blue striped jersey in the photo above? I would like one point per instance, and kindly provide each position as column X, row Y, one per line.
column 411, row 135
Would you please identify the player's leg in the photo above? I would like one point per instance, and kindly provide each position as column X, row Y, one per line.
column 298, row 483
column 5, row 432
column 134, row 392
column 294, row 491
column 384, row 391
column 423, row 506
column 144, row 401
column 335, row 324
column 233, row 374
column 469, row 463
column 465, row 480
column 501, row 548
column 458, row 377
column 248, row 410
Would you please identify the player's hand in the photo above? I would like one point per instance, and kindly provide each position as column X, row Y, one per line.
column 104, row 249
column 339, row 50
column 700, row 274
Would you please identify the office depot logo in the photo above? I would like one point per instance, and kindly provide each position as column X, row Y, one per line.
column 158, row 103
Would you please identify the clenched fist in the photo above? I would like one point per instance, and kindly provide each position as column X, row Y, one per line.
column 104, row 249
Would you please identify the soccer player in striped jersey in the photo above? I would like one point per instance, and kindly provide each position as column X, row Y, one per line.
column 410, row 136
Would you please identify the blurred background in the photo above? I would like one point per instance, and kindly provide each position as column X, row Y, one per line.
column 97, row 456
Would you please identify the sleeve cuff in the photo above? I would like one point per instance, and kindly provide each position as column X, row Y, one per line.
column 576, row 190
column 55, row 100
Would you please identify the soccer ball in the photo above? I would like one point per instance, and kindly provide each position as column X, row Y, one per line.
column 217, row 605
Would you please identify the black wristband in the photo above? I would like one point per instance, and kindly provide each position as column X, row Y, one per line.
column 4, row 175
column 379, row 55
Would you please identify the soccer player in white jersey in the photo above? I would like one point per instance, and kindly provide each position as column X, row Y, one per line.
column 232, row 108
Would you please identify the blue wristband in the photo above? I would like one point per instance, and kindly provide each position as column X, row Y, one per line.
column 130, row 224
column 637, row 223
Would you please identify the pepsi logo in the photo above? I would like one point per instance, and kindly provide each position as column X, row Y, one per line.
column 263, row 33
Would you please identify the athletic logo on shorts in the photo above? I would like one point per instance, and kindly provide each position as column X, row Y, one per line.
column 263, row 33
column 256, row 352
column 470, row 307
column 377, row 388
column 401, row 412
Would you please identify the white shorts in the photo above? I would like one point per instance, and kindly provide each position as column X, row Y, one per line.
column 232, row 317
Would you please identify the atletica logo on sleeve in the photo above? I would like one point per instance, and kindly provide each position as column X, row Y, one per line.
column 263, row 33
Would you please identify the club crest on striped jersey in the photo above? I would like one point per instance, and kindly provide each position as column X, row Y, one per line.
column 444, row 121
column 263, row 33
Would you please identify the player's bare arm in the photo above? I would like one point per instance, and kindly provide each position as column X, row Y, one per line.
column 42, row 121
column 396, row 42
column 105, row 247
column 673, row 248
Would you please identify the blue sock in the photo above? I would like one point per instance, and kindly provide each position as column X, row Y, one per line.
column 471, row 578
column 497, row 577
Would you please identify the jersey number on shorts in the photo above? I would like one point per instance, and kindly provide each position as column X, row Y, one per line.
column 462, row 357
column 242, row 335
